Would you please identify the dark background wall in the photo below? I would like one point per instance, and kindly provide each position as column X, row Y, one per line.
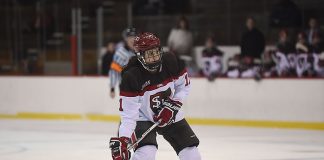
column 20, row 38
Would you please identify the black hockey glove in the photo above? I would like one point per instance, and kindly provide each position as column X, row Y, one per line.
column 168, row 112
column 118, row 148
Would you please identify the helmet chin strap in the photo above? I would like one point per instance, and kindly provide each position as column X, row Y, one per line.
column 149, row 69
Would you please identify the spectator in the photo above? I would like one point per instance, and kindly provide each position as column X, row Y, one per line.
column 284, row 45
column 268, row 65
column 107, row 58
column 252, row 41
column 285, row 56
column 233, row 64
column 180, row 43
column 243, row 67
column 180, row 40
column 315, row 40
column 304, row 60
column 316, row 45
column 313, row 30
column 212, row 60
column 301, row 44
column 316, row 48
column 252, row 46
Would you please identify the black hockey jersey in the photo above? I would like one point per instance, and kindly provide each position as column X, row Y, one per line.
column 142, row 92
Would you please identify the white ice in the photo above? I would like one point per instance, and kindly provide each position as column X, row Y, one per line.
column 85, row 140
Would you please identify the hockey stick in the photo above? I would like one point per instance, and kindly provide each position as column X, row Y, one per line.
column 144, row 135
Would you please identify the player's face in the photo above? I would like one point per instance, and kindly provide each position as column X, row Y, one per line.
column 209, row 43
column 152, row 55
column 312, row 23
column 250, row 23
column 283, row 37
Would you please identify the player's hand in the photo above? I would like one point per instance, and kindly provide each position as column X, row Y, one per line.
column 118, row 148
column 168, row 112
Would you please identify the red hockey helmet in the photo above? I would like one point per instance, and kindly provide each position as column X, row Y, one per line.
column 148, row 51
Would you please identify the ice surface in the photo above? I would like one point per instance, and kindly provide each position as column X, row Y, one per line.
column 86, row 140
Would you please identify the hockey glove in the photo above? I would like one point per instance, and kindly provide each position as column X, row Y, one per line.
column 168, row 112
column 118, row 148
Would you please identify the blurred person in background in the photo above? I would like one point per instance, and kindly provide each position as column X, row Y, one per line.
column 314, row 36
column 312, row 30
column 212, row 60
column 124, row 35
column 180, row 43
column 121, row 58
column 233, row 63
column 285, row 55
column 284, row 44
column 301, row 45
column 107, row 58
column 252, row 46
column 252, row 41
column 315, row 40
column 316, row 48
column 304, row 60
column 239, row 67
column 268, row 64
column 180, row 40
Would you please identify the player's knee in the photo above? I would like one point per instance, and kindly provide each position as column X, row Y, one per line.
column 147, row 152
column 189, row 153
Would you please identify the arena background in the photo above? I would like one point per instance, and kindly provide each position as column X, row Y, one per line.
column 54, row 99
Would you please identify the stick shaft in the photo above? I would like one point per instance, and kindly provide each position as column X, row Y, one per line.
column 143, row 136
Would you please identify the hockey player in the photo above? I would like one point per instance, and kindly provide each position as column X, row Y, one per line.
column 212, row 60
column 285, row 56
column 153, row 88
column 121, row 58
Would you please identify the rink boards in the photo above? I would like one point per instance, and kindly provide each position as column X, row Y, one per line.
column 284, row 103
